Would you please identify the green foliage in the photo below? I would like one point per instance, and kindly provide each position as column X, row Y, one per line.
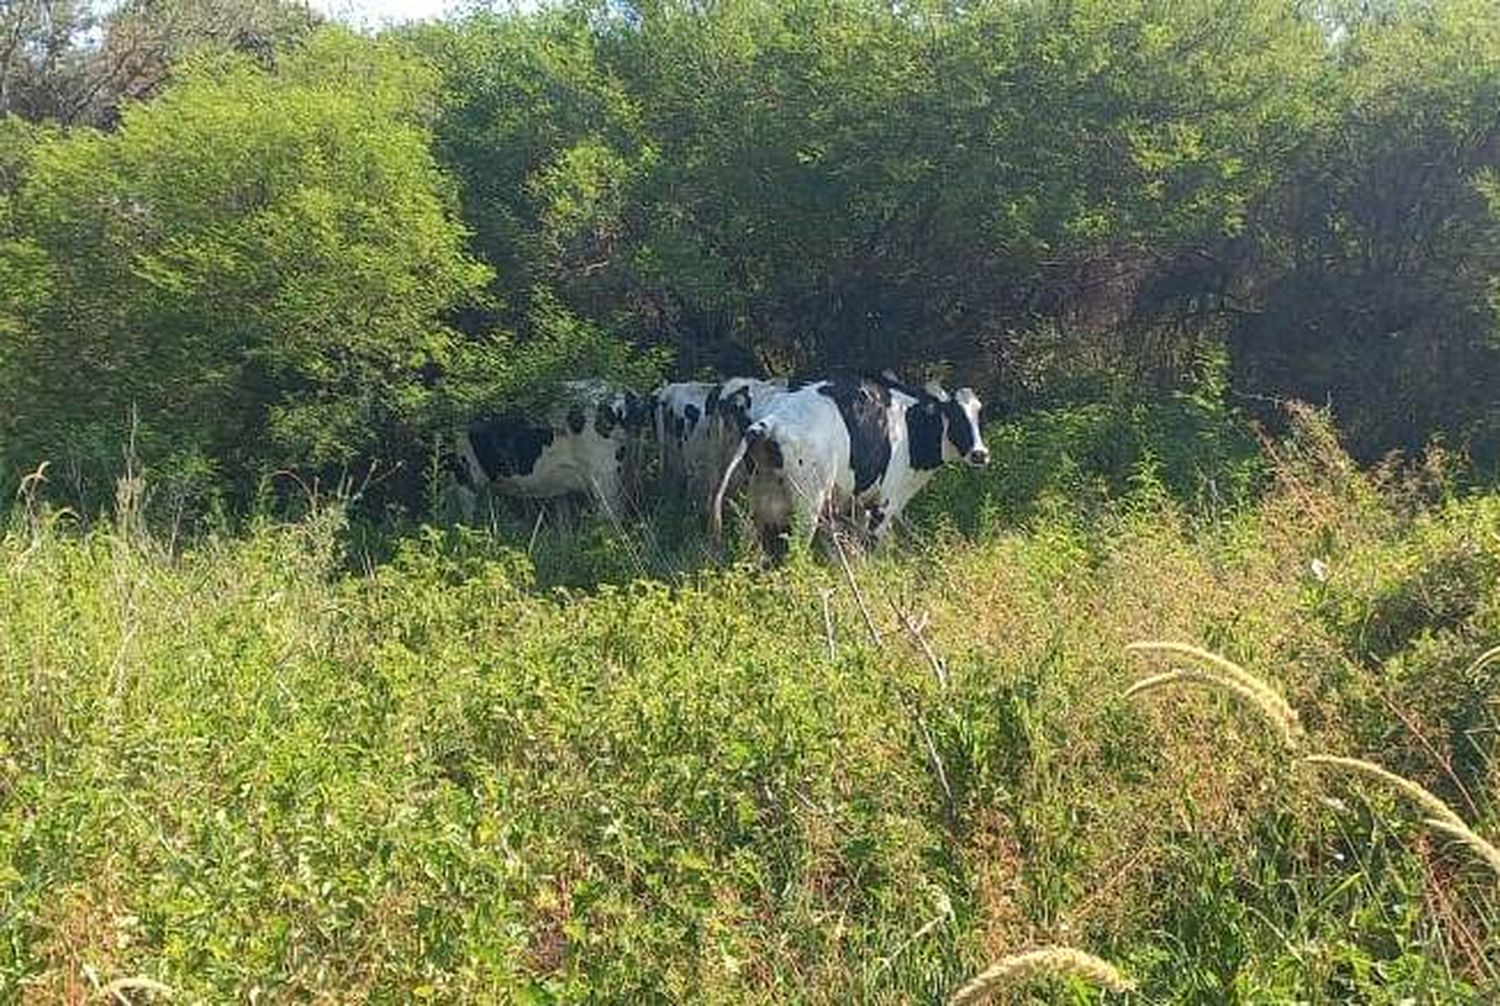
column 836, row 182
column 75, row 63
column 247, row 765
column 1380, row 252
column 258, row 263
column 543, row 139
column 1188, row 447
column 1058, row 202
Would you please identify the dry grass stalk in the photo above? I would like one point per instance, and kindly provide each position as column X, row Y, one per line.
column 115, row 990
column 1048, row 962
column 1484, row 660
column 1461, row 833
column 859, row 597
column 1417, row 794
column 939, row 669
column 1226, row 675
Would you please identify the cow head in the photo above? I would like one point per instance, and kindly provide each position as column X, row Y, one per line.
column 962, row 438
column 638, row 412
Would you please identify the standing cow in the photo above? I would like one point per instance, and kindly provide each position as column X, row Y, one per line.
column 588, row 442
column 682, row 433
column 698, row 425
column 866, row 444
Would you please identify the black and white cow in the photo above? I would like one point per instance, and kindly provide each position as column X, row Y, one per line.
column 589, row 442
column 698, row 425
column 682, row 431
column 865, row 444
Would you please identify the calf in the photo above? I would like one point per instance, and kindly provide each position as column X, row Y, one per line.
column 866, row 444
column 589, row 442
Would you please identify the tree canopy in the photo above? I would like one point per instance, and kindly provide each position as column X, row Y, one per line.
column 292, row 246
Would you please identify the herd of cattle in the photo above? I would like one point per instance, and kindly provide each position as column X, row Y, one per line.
column 859, row 447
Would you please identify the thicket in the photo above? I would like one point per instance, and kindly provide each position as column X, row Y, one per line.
column 266, row 244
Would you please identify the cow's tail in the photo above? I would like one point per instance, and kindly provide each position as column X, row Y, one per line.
column 756, row 431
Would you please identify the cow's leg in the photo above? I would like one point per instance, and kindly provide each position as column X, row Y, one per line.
column 772, row 512
column 700, row 485
column 810, row 515
column 467, row 501
column 878, row 525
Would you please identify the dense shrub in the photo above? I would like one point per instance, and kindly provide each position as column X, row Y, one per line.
column 1377, row 257
column 257, row 265
column 1060, row 202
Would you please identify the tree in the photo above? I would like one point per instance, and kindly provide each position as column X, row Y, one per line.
column 1377, row 259
column 64, row 61
column 258, row 262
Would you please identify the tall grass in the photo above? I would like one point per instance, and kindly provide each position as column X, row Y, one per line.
column 300, row 763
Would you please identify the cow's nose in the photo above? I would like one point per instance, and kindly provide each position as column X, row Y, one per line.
column 979, row 456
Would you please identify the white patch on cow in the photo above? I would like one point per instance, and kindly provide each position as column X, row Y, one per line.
column 682, row 432
column 696, row 441
column 806, row 429
column 816, row 477
column 584, row 461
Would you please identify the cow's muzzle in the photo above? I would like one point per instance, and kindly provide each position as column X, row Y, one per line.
column 979, row 457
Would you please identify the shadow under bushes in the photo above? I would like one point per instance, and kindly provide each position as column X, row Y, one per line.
column 1201, row 452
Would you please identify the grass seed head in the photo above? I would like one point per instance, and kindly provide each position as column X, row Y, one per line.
column 1417, row 794
column 1048, row 962
column 1224, row 674
column 1484, row 660
column 1483, row 849
column 115, row 990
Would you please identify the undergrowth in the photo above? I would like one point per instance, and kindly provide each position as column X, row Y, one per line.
column 300, row 763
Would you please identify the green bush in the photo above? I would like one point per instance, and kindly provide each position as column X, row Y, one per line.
column 257, row 265
column 262, row 763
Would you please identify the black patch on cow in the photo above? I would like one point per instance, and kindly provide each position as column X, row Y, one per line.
column 866, row 410
column 893, row 381
column 734, row 408
column 640, row 412
column 620, row 453
column 924, row 433
column 454, row 465
column 960, row 432
column 761, row 449
column 692, row 414
column 505, row 447
column 576, row 419
column 605, row 419
column 775, row 460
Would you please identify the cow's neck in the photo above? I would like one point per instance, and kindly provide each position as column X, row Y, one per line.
column 924, row 440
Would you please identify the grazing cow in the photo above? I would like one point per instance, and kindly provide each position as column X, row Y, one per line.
column 589, row 442
column 698, row 426
column 867, row 444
